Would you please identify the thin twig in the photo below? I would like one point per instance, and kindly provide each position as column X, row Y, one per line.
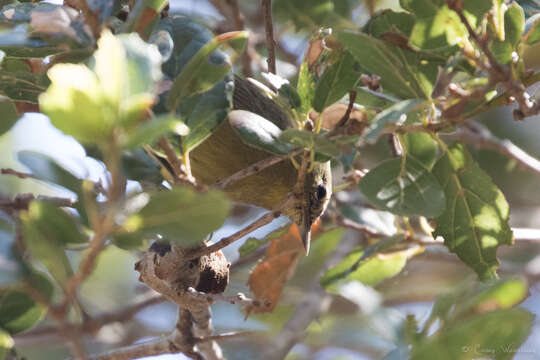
column 20, row 175
column 479, row 136
column 270, row 43
column 345, row 118
column 263, row 220
column 225, row 336
column 254, row 168
column 238, row 299
column 369, row 231
column 22, row 201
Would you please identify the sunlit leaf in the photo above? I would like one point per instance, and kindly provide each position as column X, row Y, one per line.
column 45, row 242
column 309, row 140
column 475, row 221
column 369, row 266
column 404, row 186
column 402, row 73
column 6, row 344
column 336, row 81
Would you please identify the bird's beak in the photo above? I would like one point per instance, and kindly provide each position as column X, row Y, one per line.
column 305, row 229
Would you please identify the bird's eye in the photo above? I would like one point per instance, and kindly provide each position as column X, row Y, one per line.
column 321, row 191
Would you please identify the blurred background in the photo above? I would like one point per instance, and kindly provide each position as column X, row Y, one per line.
column 347, row 330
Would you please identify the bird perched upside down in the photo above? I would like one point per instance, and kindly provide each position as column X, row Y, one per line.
column 224, row 154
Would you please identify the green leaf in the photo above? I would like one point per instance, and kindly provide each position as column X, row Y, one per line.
column 309, row 140
column 436, row 25
column 532, row 30
column 9, row 114
column 203, row 113
column 403, row 73
column 55, row 223
column 475, row 221
column 6, row 344
column 181, row 215
column 307, row 75
column 201, row 73
column 502, row 294
column 152, row 129
column 336, row 81
column 397, row 113
column 10, row 267
column 373, row 99
column 139, row 166
column 252, row 244
column 369, row 266
column 405, row 187
column 18, row 311
column 304, row 14
column 389, row 21
column 496, row 334
column 47, row 169
column 22, row 85
column 45, row 242
column 130, row 241
column 256, row 131
column 514, row 23
column 120, row 82
column 421, row 147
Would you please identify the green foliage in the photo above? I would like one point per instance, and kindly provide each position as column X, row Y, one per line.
column 200, row 74
column 180, row 215
column 6, row 343
column 476, row 321
column 336, row 81
column 106, row 97
column 10, row 267
column 256, row 131
column 370, row 266
column 405, row 187
column 395, row 114
column 319, row 143
column 475, row 221
column 42, row 230
column 18, row 310
column 9, row 114
column 415, row 73
column 403, row 73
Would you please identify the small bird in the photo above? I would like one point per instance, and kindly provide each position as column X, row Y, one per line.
column 224, row 154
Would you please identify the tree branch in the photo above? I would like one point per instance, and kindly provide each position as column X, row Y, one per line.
column 479, row 136
column 263, row 220
column 270, row 43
